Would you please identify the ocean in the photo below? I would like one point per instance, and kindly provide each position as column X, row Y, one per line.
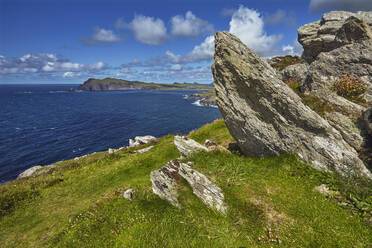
column 44, row 124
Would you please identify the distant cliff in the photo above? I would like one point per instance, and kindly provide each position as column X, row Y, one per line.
column 93, row 84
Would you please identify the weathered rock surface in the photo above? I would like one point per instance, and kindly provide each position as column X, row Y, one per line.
column 340, row 43
column 36, row 170
column 164, row 182
column 141, row 140
column 297, row 71
column 188, row 146
column 348, row 130
column 320, row 36
column 267, row 118
column 208, row 192
column 128, row 194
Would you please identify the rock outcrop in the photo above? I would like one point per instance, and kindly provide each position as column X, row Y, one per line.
column 128, row 194
column 340, row 43
column 165, row 180
column 36, row 170
column 209, row 193
column 188, row 146
column 142, row 140
column 267, row 118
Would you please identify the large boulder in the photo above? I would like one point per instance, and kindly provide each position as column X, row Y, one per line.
column 142, row 140
column 340, row 43
column 267, row 118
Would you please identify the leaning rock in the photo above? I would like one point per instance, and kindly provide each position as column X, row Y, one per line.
column 347, row 129
column 142, row 140
column 210, row 194
column 164, row 182
column 29, row 172
column 128, row 194
column 188, row 146
column 267, row 118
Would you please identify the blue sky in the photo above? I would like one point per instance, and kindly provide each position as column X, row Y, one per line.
column 56, row 41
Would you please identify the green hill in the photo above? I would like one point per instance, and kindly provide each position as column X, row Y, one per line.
column 272, row 203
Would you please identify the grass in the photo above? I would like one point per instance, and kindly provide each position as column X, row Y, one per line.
column 271, row 203
column 286, row 61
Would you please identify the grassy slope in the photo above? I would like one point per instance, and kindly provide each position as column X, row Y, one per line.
column 79, row 204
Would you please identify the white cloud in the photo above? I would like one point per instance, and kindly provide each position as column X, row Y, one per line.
column 190, row 25
column 350, row 5
column 248, row 25
column 295, row 49
column 148, row 30
column 68, row 74
column 45, row 63
column 100, row 36
column 176, row 67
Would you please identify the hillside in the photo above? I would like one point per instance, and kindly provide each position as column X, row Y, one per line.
column 271, row 201
column 119, row 84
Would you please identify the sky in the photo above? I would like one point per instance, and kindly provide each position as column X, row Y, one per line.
column 162, row 41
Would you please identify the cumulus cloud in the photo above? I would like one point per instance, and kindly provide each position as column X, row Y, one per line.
column 101, row 36
column 148, row 30
column 349, row 5
column 45, row 63
column 280, row 16
column 248, row 25
column 295, row 49
column 190, row 25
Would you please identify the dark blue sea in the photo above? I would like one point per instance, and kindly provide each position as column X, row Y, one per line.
column 43, row 124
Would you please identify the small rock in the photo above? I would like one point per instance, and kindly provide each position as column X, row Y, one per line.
column 128, row 194
column 111, row 151
column 144, row 149
column 324, row 190
column 188, row 146
column 212, row 146
column 141, row 140
column 164, row 182
column 210, row 194
column 29, row 172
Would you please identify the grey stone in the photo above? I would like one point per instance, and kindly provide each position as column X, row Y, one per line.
column 141, row 140
column 350, row 133
column 297, row 71
column 128, row 194
column 324, row 190
column 267, row 118
column 212, row 146
column 209, row 193
column 188, row 146
column 111, row 151
column 164, row 182
column 30, row 171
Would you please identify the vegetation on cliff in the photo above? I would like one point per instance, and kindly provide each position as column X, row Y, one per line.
column 271, row 201
column 93, row 84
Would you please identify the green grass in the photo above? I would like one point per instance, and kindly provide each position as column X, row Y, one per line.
column 79, row 204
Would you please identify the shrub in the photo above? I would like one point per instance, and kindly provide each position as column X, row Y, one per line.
column 349, row 87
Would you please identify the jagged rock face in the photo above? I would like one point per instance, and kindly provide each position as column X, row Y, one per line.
column 164, row 182
column 340, row 43
column 267, row 118
column 208, row 192
column 320, row 36
column 188, row 146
